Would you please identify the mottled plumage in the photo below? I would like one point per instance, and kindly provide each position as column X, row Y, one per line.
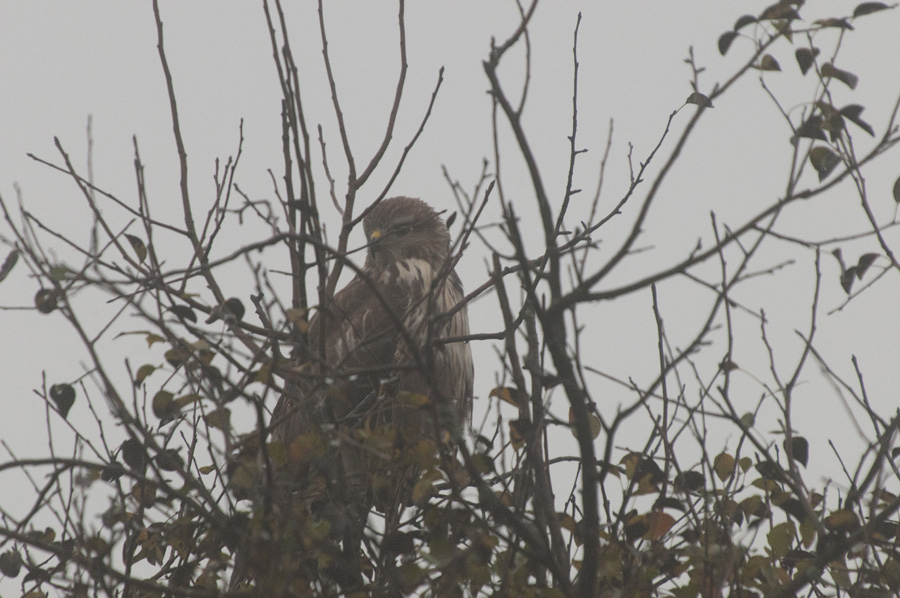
column 373, row 352
column 380, row 332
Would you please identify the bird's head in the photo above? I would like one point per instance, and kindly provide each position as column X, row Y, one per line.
column 403, row 228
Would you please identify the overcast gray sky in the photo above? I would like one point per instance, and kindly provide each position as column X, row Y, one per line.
column 59, row 65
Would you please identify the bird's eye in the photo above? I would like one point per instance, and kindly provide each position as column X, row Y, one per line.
column 403, row 231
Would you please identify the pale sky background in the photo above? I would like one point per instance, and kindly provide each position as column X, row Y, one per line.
column 58, row 65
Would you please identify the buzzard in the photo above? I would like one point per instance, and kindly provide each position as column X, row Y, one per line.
column 383, row 332
column 373, row 380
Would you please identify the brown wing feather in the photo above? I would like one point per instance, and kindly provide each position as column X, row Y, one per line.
column 442, row 371
column 375, row 337
column 380, row 328
column 358, row 336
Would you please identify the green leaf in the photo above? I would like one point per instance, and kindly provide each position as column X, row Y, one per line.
column 744, row 21
column 63, row 396
column 111, row 472
column 184, row 312
column 519, row 430
column 636, row 527
column 231, row 310
column 781, row 537
column 177, row 356
column 770, row 470
column 768, row 63
column 297, row 317
column 142, row 373
column 220, row 419
column 10, row 563
column 796, row 557
column 839, row 256
column 812, row 128
column 164, row 405
column 138, row 245
column 840, row 575
column 799, row 449
column 264, row 374
column 852, row 113
column 832, row 120
column 896, row 190
column 144, row 493
column 97, row 545
column 593, row 423
column 725, row 41
column 845, row 77
column 169, row 460
column 483, row 463
column 842, row 520
column 8, row 263
column 834, row 22
column 506, row 394
column 422, row 489
column 567, row 522
column 865, row 260
column 823, row 160
column 867, row 8
column 699, row 99
column 753, row 506
column 450, row 220
column 45, row 300
column 689, row 481
column 848, row 276
column 724, row 465
column 59, row 272
column 808, row 530
column 234, row 308
column 806, row 57
column 185, row 400
column 410, row 575
column 793, row 507
column 781, row 10
column 133, row 454
column 243, row 478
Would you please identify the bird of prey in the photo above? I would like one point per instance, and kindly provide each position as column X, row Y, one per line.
column 384, row 330
column 375, row 377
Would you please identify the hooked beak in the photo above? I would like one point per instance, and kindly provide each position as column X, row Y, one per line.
column 373, row 241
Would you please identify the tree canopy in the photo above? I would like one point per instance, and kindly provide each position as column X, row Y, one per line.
column 665, row 405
